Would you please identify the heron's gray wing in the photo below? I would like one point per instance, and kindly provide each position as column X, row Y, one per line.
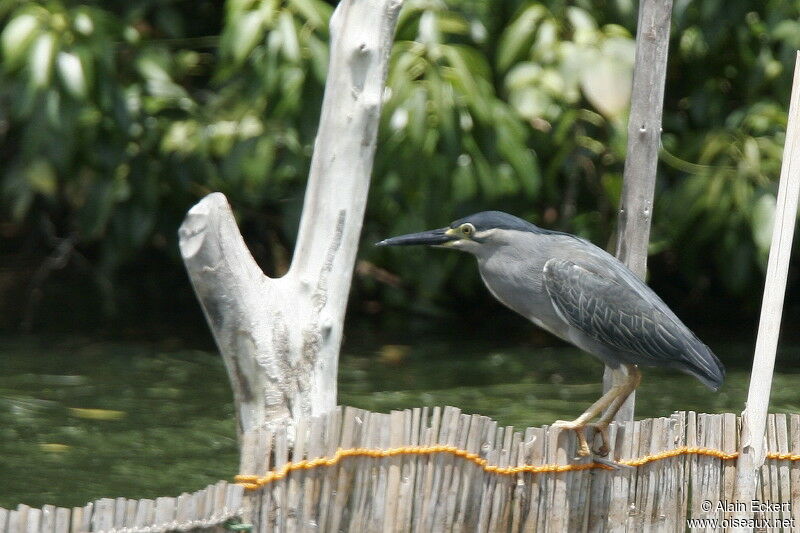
column 627, row 318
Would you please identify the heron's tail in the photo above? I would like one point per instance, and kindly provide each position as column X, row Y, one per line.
column 701, row 362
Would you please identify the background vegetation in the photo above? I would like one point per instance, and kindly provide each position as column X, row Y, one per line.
column 115, row 117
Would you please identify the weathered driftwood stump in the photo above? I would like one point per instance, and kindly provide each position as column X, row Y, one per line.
column 280, row 338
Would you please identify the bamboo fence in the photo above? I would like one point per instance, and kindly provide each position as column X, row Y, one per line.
column 434, row 469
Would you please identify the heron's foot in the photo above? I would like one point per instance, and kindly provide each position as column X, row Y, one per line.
column 577, row 427
column 583, row 446
column 602, row 430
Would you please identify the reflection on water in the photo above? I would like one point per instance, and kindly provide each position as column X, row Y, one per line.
column 82, row 421
column 113, row 420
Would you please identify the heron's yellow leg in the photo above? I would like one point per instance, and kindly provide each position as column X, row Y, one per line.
column 632, row 380
column 581, row 422
column 613, row 400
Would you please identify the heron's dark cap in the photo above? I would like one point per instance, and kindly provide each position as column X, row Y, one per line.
column 497, row 220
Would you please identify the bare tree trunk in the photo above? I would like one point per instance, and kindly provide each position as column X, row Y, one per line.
column 280, row 338
column 644, row 137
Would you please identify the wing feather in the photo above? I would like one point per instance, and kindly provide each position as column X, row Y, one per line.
column 629, row 319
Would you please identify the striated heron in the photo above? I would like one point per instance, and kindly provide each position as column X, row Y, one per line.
column 582, row 294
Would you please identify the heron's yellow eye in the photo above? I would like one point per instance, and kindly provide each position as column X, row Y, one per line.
column 467, row 229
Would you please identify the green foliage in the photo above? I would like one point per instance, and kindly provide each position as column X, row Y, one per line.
column 87, row 100
column 726, row 113
column 115, row 117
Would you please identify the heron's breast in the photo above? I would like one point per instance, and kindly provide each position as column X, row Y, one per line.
column 518, row 285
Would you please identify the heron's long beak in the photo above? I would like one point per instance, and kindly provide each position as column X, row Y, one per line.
column 432, row 237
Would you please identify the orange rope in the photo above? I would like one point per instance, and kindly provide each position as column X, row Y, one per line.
column 252, row 482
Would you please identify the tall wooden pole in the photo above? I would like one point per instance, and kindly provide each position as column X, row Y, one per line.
column 754, row 417
column 644, row 137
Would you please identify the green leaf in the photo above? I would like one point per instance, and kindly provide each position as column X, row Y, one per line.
column 452, row 23
column 17, row 37
column 288, row 31
column 517, row 38
column 763, row 218
column 316, row 13
column 607, row 85
column 42, row 178
column 40, row 61
column 17, row 193
column 248, row 31
column 95, row 213
column 318, row 52
column 521, row 158
column 583, row 25
column 462, row 77
column 83, row 24
column 72, row 74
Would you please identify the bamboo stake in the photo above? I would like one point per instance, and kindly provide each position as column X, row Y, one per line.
column 644, row 138
column 754, row 417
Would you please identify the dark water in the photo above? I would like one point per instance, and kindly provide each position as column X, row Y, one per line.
column 82, row 420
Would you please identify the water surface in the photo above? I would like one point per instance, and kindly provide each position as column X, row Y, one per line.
column 81, row 420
